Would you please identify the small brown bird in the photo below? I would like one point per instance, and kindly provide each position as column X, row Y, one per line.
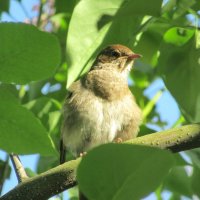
column 99, row 107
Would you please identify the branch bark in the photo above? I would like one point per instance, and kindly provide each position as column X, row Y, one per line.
column 47, row 184
column 18, row 167
column 63, row 177
column 176, row 139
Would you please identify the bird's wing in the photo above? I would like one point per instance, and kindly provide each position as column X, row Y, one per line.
column 62, row 146
column 62, row 152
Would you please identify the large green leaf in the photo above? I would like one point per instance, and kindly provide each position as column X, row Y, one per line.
column 122, row 171
column 20, row 131
column 26, row 54
column 95, row 24
column 180, row 69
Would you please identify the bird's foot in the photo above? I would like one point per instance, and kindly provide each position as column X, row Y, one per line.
column 118, row 140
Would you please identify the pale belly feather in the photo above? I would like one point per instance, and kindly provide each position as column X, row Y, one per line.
column 97, row 122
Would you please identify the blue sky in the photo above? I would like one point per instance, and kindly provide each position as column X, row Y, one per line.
column 166, row 105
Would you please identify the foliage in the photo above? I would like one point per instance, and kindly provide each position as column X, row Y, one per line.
column 36, row 65
column 125, row 172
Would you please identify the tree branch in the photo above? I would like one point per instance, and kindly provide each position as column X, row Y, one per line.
column 176, row 139
column 18, row 167
column 63, row 177
column 39, row 13
column 47, row 184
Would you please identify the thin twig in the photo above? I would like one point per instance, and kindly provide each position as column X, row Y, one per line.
column 39, row 14
column 18, row 167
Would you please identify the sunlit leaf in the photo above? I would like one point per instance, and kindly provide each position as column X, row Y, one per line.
column 178, row 35
column 95, row 24
column 26, row 54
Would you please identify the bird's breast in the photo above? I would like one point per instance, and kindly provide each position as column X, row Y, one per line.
column 99, row 118
column 96, row 111
column 106, row 84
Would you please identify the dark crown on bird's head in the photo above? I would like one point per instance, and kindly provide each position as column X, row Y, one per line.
column 116, row 51
column 116, row 57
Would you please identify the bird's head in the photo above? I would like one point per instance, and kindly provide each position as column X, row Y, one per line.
column 116, row 57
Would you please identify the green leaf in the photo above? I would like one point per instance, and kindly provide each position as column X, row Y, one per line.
column 149, row 107
column 168, row 6
column 30, row 172
column 175, row 196
column 180, row 160
column 182, row 7
column 63, row 6
column 11, row 88
column 47, row 110
column 196, row 6
column 180, row 69
column 95, row 24
column 20, row 131
column 122, row 171
column 46, row 162
column 195, row 181
column 144, row 130
column 194, row 155
column 73, row 193
column 178, row 35
column 26, row 54
column 5, row 170
column 4, row 5
column 178, row 182
column 148, row 45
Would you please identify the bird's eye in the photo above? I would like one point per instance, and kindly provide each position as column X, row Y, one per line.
column 115, row 54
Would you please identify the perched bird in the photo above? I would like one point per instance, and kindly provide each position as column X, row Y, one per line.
column 99, row 107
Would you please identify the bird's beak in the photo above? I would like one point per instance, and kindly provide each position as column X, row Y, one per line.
column 134, row 56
